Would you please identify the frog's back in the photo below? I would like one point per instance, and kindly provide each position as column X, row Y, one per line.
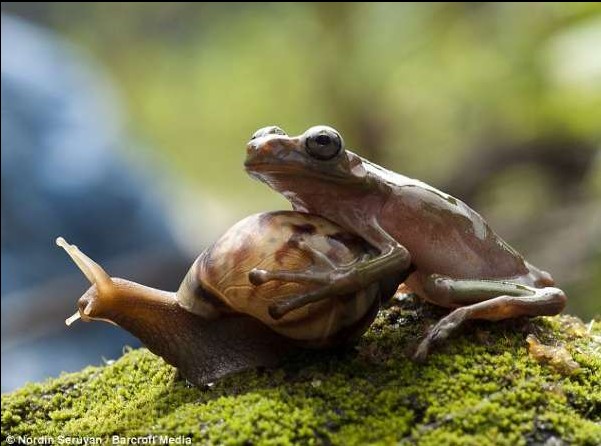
column 445, row 236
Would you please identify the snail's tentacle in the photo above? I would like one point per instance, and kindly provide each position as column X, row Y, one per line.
column 76, row 316
column 92, row 270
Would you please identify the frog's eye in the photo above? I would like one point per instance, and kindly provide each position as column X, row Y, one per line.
column 271, row 130
column 323, row 143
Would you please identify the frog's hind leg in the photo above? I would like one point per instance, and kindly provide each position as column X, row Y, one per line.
column 484, row 299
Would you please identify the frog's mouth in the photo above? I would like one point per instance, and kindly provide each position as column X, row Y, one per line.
column 265, row 171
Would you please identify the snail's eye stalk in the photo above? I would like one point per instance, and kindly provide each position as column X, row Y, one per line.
column 92, row 270
column 103, row 285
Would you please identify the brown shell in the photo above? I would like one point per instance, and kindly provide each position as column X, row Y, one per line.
column 219, row 277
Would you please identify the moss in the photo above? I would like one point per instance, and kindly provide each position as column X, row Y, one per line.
column 481, row 387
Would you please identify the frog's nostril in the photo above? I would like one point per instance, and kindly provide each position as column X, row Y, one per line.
column 251, row 147
column 270, row 130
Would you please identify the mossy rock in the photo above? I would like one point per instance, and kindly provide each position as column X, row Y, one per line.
column 481, row 387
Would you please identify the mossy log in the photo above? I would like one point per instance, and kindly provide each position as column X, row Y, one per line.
column 486, row 385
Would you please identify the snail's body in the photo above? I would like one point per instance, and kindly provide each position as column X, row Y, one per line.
column 218, row 322
column 203, row 350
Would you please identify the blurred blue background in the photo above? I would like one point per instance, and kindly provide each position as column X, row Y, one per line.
column 124, row 127
column 63, row 173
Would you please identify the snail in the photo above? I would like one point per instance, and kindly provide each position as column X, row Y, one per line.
column 218, row 322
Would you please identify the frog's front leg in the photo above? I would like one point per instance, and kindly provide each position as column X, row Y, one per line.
column 334, row 280
column 485, row 299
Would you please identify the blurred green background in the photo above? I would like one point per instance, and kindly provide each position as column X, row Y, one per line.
column 497, row 103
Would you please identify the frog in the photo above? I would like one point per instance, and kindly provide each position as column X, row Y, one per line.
column 435, row 244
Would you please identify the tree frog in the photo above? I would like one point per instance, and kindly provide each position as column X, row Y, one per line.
column 444, row 250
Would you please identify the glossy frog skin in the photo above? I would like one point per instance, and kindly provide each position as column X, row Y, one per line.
column 446, row 251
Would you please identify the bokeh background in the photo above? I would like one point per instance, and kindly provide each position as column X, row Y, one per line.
column 124, row 127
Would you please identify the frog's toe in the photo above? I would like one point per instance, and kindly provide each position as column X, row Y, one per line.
column 442, row 330
column 258, row 276
column 421, row 354
column 320, row 260
column 438, row 333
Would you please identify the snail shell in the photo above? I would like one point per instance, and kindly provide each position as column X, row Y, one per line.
column 219, row 278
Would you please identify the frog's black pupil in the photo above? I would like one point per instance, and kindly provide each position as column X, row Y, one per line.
column 323, row 145
column 323, row 140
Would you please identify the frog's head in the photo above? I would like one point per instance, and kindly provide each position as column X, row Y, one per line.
column 291, row 162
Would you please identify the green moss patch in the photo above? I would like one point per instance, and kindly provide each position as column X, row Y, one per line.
column 481, row 387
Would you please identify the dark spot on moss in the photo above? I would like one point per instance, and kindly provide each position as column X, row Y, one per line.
column 543, row 434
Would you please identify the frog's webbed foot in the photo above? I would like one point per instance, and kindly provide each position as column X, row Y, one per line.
column 319, row 272
column 439, row 332
column 499, row 300
column 333, row 280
